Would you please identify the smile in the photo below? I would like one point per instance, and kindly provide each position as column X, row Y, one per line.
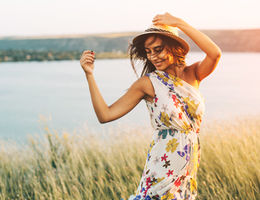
column 158, row 63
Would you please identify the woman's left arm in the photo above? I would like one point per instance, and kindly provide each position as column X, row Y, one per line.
column 213, row 52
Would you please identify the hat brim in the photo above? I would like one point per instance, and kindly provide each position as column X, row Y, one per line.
column 182, row 42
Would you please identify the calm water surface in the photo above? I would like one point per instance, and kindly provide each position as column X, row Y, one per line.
column 36, row 94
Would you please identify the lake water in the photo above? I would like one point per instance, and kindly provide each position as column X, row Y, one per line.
column 35, row 94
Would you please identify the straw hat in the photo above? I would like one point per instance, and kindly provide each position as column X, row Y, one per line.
column 168, row 31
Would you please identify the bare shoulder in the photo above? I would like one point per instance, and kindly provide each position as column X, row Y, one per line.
column 145, row 85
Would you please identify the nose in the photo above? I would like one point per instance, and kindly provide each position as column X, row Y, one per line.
column 153, row 55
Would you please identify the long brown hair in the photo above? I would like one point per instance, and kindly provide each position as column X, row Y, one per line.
column 138, row 53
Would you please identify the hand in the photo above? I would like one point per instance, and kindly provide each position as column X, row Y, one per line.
column 166, row 19
column 87, row 61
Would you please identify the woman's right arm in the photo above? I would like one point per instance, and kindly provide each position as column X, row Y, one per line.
column 119, row 108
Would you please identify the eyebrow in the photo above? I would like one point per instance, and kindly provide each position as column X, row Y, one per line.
column 161, row 45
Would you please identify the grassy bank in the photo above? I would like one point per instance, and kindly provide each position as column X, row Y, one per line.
column 33, row 55
column 109, row 166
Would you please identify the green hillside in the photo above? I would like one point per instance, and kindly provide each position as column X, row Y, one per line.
column 99, row 43
column 111, row 45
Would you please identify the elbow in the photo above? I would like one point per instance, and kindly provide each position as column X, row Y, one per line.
column 218, row 54
column 103, row 116
column 102, row 121
column 215, row 55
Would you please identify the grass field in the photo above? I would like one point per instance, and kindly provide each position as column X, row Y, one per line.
column 105, row 166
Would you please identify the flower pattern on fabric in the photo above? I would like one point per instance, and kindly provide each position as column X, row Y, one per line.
column 174, row 154
column 168, row 196
column 172, row 145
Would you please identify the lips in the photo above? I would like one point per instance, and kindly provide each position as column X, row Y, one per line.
column 158, row 63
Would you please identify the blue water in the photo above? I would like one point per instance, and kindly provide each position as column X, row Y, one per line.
column 36, row 94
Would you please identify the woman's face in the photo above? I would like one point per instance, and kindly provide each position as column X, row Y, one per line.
column 157, row 53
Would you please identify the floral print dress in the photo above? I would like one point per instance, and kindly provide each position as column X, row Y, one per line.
column 174, row 153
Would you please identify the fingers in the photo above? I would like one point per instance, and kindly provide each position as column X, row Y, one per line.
column 87, row 58
column 157, row 20
column 88, row 55
column 86, row 62
column 161, row 17
column 157, row 17
column 88, row 52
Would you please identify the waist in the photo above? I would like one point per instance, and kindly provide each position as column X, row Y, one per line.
column 175, row 130
column 163, row 132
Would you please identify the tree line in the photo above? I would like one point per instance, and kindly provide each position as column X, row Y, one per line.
column 111, row 45
column 32, row 55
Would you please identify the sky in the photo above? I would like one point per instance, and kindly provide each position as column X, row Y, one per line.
column 59, row 17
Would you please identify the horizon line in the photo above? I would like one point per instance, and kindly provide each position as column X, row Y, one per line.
column 102, row 34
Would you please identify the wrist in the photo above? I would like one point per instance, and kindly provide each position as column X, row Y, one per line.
column 181, row 23
column 88, row 75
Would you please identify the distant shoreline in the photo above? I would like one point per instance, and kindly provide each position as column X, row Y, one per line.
column 20, row 56
column 111, row 45
column 25, row 55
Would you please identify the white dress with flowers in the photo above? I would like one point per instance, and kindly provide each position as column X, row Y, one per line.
column 174, row 153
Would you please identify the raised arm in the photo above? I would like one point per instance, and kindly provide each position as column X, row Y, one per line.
column 213, row 52
column 122, row 106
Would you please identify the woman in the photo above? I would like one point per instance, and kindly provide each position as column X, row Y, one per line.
column 170, row 89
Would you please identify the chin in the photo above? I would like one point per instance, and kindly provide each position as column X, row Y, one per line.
column 162, row 68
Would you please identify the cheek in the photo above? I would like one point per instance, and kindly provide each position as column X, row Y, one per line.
column 170, row 59
column 164, row 55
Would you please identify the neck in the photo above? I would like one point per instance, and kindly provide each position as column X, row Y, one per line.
column 176, row 71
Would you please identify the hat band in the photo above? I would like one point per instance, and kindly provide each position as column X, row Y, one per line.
column 157, row 30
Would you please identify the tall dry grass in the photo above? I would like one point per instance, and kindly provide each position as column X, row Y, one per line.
column 108, row 166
